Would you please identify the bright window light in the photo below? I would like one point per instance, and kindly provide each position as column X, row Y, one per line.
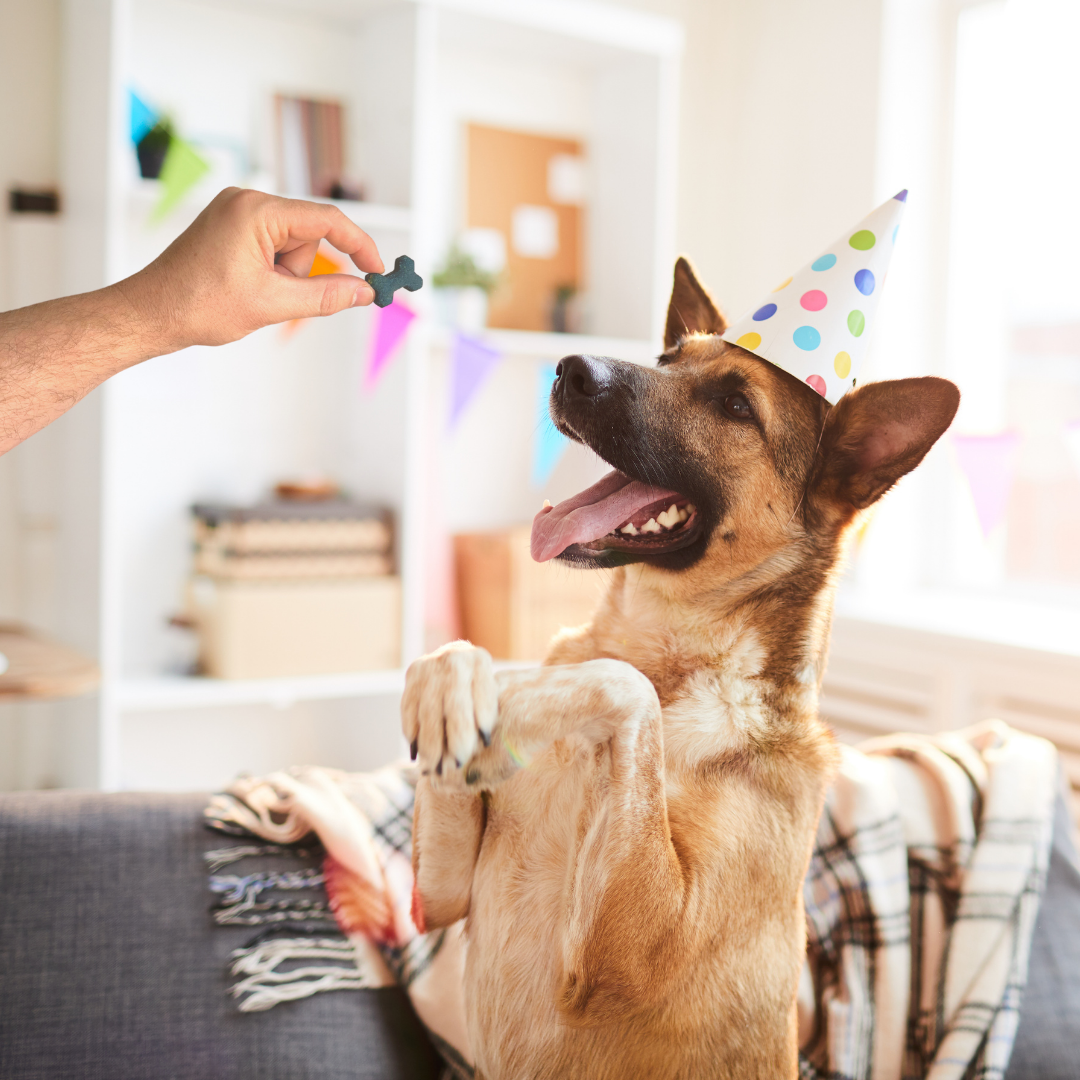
column 1013, row 317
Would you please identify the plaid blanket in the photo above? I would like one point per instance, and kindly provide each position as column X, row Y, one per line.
column 921, row 896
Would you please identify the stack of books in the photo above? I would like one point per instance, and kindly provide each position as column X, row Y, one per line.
column 289, row 588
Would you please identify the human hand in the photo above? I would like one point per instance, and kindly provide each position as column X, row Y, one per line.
column 244, row 264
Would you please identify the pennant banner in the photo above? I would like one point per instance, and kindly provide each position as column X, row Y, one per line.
column 471, row 362
column 322, row 264
column 988, row 463
column 182, row 170
column 143, row 118
column 550, row 444
column 388, row 331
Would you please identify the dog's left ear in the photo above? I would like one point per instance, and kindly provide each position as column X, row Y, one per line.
column 878, row 433
column 692, row 310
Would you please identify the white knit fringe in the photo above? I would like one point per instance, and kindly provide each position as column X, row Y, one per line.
column 266, row 986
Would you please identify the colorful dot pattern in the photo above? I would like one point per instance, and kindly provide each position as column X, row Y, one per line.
column 819, row 329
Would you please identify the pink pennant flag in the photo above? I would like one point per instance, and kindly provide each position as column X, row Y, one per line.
column 391, row 323
column 988, row 462
column 471, row 361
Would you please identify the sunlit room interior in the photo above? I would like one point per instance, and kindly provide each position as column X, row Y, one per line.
column 223, row 561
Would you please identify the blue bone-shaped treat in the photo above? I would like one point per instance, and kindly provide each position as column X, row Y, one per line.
column 403, row 276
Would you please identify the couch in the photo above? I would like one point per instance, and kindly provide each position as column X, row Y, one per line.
column 112, row 969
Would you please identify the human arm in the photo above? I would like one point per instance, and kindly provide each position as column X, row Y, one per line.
column 242, row 265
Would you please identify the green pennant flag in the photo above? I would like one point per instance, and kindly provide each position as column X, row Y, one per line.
column 181, row 171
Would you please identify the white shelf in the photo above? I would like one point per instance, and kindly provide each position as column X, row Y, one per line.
column 368, row 215
column 585, row 20
column 163, row 692
column 532, row 344
column 144, row 194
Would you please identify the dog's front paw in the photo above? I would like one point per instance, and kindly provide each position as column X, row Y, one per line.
column 449, row 709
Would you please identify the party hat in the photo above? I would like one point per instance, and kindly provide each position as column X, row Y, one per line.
column 816, row 325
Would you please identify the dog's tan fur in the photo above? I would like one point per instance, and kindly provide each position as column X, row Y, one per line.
column 633, row 894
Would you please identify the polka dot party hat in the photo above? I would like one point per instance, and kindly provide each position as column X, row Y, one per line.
column 816, row 324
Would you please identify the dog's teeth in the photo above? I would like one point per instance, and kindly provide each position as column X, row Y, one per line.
column 629, row 529
column 683, row 515
column 669, row 517
column 650, row 526
column 690, row 508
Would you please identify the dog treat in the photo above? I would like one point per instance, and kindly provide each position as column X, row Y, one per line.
column 403, row 276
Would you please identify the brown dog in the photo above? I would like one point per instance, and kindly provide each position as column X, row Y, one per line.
column 626, row 829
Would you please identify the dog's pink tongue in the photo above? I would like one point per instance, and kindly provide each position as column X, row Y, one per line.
column 591, row 514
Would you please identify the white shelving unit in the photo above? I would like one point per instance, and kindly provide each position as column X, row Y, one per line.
column 226, row 423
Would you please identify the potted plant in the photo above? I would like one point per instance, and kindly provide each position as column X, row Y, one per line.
column 152, row 149
column 462, row 291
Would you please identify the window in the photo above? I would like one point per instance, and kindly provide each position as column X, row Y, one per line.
column 983, row 105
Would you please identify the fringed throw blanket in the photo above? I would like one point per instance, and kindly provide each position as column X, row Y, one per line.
column 921, row 899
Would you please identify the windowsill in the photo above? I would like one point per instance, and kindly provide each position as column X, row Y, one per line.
column 976, row 616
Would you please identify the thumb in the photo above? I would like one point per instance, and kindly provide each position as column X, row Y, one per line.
column 326, row 294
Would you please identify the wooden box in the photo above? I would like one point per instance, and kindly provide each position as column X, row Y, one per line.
column 512, row 605
column 270, row 629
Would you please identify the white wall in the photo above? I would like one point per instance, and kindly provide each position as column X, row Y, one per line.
column 778, row 134
column 29, row 272
column 29, row 106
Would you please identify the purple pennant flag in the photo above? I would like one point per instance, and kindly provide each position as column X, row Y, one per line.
column 988, row 463
column 389, row 330
column 471, row 361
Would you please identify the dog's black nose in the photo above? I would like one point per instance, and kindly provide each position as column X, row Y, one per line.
column 582, row 377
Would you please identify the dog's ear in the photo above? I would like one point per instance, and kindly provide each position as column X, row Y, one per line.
column 691, row 310
column 876, row 434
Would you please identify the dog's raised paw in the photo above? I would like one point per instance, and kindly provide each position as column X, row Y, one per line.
column 448, row 711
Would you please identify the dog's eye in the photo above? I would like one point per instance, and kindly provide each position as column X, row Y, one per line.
column 737, row 407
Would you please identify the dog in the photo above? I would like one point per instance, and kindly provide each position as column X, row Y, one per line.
column 626, row 829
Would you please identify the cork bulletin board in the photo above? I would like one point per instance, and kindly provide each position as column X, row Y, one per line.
column 508, row 189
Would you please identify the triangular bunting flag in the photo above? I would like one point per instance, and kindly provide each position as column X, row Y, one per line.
column 388, row 331
column 182, row 170
column 988, row 462
column 143, row 118
column 323, row 264
column 471, row 361
column 550, row 444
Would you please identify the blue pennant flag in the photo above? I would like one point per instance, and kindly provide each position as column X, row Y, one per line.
column 143, row 118
column 550, row 444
